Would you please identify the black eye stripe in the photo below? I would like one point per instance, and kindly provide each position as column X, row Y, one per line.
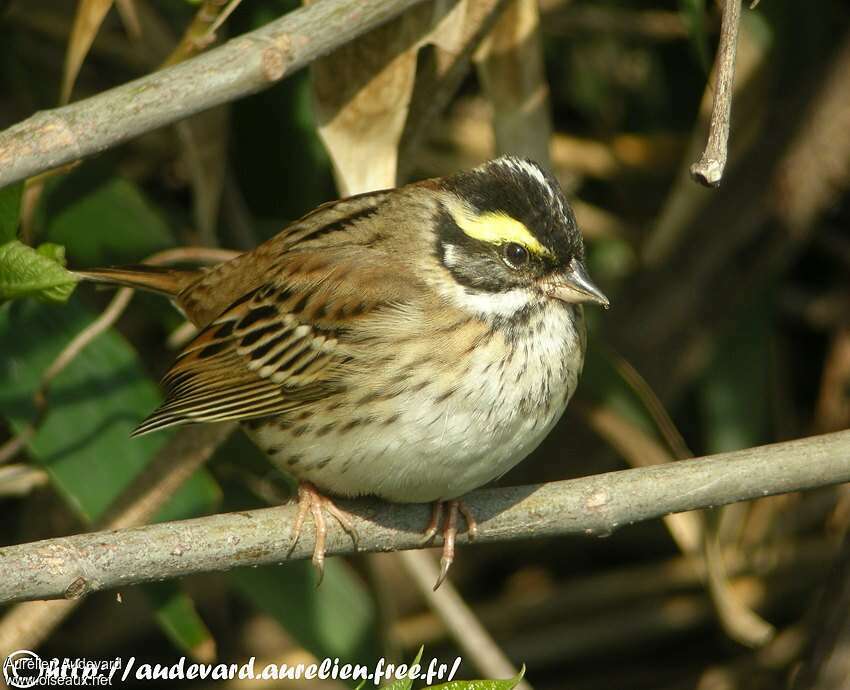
column 514, row 187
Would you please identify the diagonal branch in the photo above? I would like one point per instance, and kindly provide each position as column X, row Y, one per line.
column 594, row 506
column 242, row 66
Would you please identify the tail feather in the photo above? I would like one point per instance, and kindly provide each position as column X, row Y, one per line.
column 166, row 281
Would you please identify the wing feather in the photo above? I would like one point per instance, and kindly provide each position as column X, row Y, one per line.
column 275, row 351
column 285, row 315
column 223, row 286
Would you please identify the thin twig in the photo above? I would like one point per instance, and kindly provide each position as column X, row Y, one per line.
column 216, row 25
column 10, row 449
column 477, row 644
column 669, row 316
column 179, row 255
column 28, row 624
column 19, row 480
column 739, row 621
column 129, row 18
column 652, row 403
column 201, row 31
column 593, row 506
column 694, row 531
column 708, row 170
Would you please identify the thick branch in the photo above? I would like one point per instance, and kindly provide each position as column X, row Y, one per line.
column 596, row 505
column 27, row 625
column 242, row 66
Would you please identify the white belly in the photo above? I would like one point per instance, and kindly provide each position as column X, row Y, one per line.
column 437, row 447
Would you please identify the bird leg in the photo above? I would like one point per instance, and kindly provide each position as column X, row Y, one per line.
column 449, row 531
column 313, row 502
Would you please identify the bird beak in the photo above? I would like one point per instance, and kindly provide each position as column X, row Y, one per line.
column 575, row 286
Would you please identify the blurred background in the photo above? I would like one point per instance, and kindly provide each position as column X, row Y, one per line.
column 730, row 324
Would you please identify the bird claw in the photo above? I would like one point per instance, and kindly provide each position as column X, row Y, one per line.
column 431, row 530
column 313, row 502
column 449, row 532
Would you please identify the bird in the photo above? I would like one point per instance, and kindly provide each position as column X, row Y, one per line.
column 412, row 344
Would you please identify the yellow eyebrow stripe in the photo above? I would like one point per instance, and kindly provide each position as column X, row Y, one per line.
column 497, row 228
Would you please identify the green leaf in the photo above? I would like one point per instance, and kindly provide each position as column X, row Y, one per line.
column 406, row 683
column 54, row 252
column 27, row 272
column 334, row 620
column 84, row 443
column 10, row 211
column 101, row 219
column 482, row 684
column 179, row 619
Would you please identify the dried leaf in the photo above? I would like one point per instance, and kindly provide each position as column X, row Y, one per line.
column 739, row 621
column 129, row 18
column 510, row 65
column 203, row 139
column 87, row 21
column 445, row 67
column 362, row 93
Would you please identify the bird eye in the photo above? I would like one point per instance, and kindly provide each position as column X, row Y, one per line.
column 516, row 256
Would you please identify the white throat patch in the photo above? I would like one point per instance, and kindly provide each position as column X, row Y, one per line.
column 488, row 303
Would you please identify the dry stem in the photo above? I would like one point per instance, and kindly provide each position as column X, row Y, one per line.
column 708, row 170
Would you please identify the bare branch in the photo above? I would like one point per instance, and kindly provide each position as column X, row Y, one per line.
column 27, row 625
column 708, row 170
column 593, row 506
column 242, row 66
